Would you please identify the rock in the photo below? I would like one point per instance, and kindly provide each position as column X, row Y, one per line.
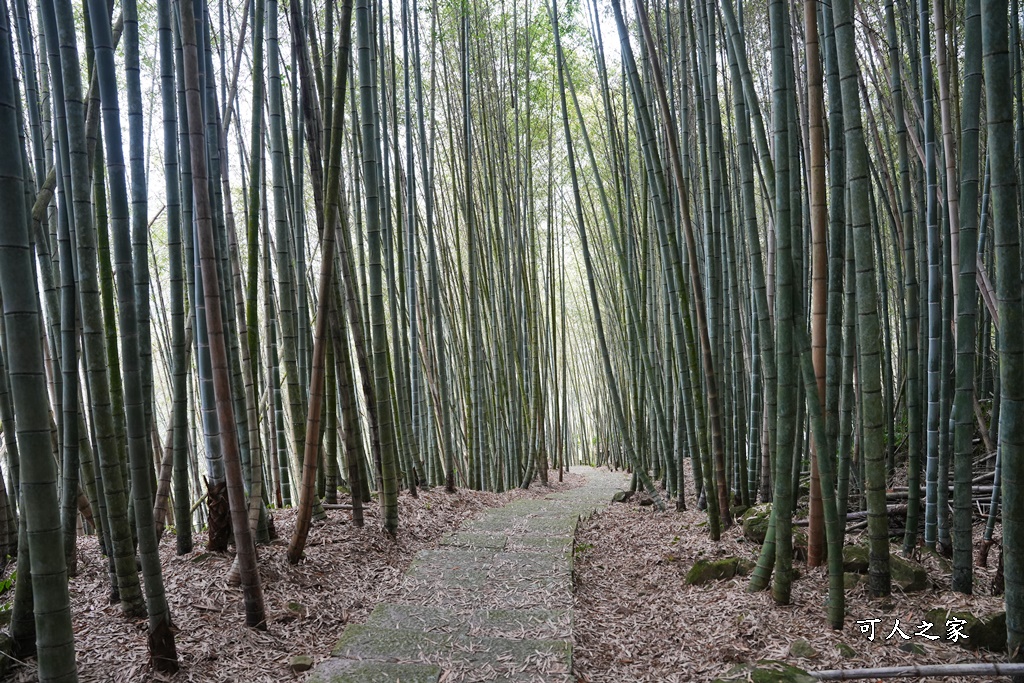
column 945, row 565
column 297, row 608
column 855, row 559
column 706, row 571
column 738, row 510
column 300, row 663
column 621, row 496
column 912, row 648
column 987, row 633
column 646, row 501
column 938, row 618
column 755, row 522
column 850, row 580
column 802, row 650
column 846, row 651
column 766, row 671
column 908, row 575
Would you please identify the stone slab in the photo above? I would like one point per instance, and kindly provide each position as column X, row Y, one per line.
column 481, row 541
column 493, row 602
column 336, row 670
column 543, row 624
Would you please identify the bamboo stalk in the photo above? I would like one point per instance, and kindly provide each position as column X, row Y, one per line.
column 987, row 669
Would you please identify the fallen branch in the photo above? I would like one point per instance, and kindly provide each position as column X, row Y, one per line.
column 990, row 669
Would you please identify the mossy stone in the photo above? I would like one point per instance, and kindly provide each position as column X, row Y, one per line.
column 766, row 671
column 940, row 617
column 706, row 571
column 987, row 633
column 850, row 580
column 908, row 575
column 755, row 522
column 621, row 496
column 300, row 663
column 855, row 559
column 802, row 650
column 845, row 651
column 944, row 564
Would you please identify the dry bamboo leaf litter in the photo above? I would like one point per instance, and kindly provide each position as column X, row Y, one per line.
column 635, row 619
column 345, row 572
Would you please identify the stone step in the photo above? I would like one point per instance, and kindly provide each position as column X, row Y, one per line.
column 336, row 670
column 526, row 564
column 469, row 591
column 486, row 658
column 543, row 624
column 492, row 602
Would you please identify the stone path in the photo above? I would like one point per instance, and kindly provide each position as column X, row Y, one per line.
column 494, row 602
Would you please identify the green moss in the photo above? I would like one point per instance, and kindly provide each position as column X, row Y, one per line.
column 845, row 651
column 801, row 649
column 755, row 522
column 913, row 648
column 908, row 575
column 855, row 559
column 766, row 671
column 988, row 633
column 300, row 663
column 706, row 571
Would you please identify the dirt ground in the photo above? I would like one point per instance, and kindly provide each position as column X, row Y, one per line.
column 637, row 620
column 345, row 573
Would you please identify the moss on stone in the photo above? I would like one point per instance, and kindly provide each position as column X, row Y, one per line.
column 706, row 571
column 845, row 651
column 766, row 671
column 855, row 559
column 988, row 633
column 802, row 649
column 908, row 575
column 300, row 663
column 755, row 522
column 913, row 648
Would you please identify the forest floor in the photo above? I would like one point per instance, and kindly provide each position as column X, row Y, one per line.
column 637, row 620
column 345, row 573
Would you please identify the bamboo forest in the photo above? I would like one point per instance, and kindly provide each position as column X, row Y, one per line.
column 540, row 340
